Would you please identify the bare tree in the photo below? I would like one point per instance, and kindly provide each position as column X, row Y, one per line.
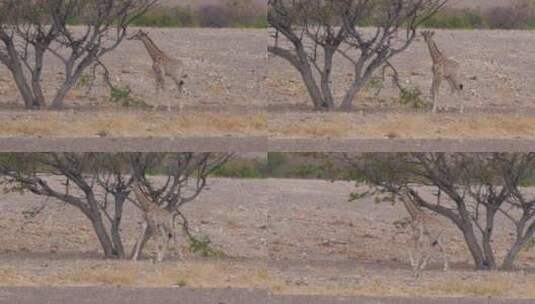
column 477, row 188
column 317, row 30
column 30, row 29
column 186, row 175
column 101, row 183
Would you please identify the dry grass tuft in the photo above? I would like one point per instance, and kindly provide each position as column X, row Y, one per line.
column 112, row 275
column 495, row 285
column 404, row 126
column 228, row 273
column 194, row 274
column 9, row 276
column 131, row 124
column 286, row 87
column 490, row 287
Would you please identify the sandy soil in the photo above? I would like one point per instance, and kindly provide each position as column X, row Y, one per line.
column 292, row 236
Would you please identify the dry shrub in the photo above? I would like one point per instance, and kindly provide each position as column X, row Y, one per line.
column 520, row 15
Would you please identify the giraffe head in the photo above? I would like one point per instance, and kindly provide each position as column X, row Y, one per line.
column 428, row 35
column 139, row 35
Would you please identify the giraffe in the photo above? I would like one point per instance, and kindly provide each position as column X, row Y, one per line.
column 163, row 65
column 444, row 68
column 157, row 221
column 426, row 236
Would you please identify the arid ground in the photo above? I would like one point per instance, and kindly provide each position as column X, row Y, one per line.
column 291, row 236
column 499, row 94
column 224, row 96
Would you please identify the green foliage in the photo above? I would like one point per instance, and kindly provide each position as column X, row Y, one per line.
column 181, row 283
column 412, row 97
column 457, row 19
column 241, row 169
column 167, row 17
column 308, row 166
column 203, row 247
column 259, row 22
column 122, row 97
column 85, row 81
column 301, row 166
column 520, row 15
column 220, row 15
column 180, row 16
column 375, row 84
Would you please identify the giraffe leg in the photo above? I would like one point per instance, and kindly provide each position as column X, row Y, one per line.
column 444, row 255
column 176, row 244
column 160, row 241
column 179, row 84
column 425, row 261
column 140, row 241
column 412, row 259
column 416, row 269
column 415, row 254
column 435, row 88
column 160, row 80
column 455, row 89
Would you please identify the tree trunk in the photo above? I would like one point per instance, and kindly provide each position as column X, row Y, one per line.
column 102, row 235
column 57, row 103
column 116, row 224
column 487, row 239
column 347, row 103
column 71, row 78
column 39, row 98
column 326, row 89
column 24, row 88
column 477, row 254
column 312, row 88
column 307, row 75
column 508, row 261
column 522, row 238
column 14, row 64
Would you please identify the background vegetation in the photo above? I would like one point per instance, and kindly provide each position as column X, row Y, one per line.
column 247, row 14
column 226, row 13
column 520, row 15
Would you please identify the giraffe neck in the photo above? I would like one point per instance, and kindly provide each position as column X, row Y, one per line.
column 436, row 54
column 413, row 211
column 154, row 52
column 143, row 199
